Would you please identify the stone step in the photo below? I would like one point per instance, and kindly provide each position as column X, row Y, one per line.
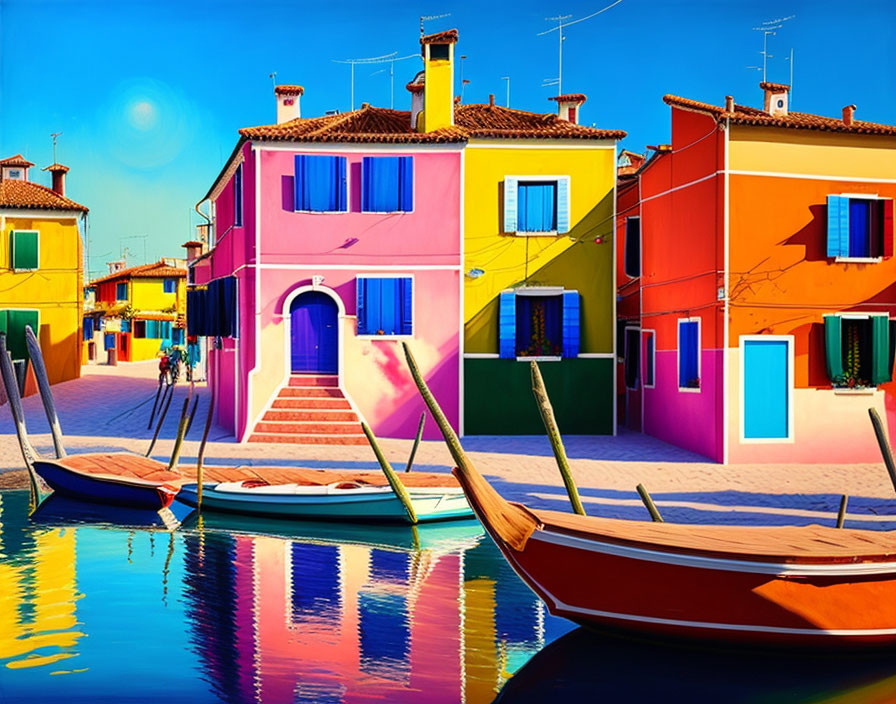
column 319, row 415
column 305, row 380
column 306, row 428
column 308, row 439
column 309, row 392
column 312, row 403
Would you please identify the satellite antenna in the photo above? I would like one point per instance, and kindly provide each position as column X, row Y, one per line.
column 384, row 59
column 769, row 28
column 790, row 59
column 561, row 23
column 54, row 135
column 427, row 18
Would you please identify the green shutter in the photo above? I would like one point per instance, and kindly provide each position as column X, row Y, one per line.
column 24, row 250
column 16, row 320
column 881, row 370
column 833, row 346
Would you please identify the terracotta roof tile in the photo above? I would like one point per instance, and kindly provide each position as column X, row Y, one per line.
column 56, row 167
column 766, row 85
column 449, row 36
column 24, row 194
column 415, row 87
column 158, row 270
column 17, row 160
column 744, row 115
column 570, row 98
column 497, row 121
column 289, row 90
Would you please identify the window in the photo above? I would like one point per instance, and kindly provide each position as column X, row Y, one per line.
column 109, row 341
column 139, row 328
column 121, row 291
column 169, row 285
column 125, row 325
column 16, row 174
column 438, row 52
column 633, row 246
column 13, row 322
column 538, row 322
column 88, row 329
column 24, row 253
column 388, row 184
column 649, row 359
column 320, row 183
column 536, row 204
column 238, row 197
column 385, row 306
column 857, row 350
column 689, row 354
column 632, row 357
column 860, row 228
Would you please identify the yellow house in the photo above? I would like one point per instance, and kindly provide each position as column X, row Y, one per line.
column 141, row 310
column 41, row 266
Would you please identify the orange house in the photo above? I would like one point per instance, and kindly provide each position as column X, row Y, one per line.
column 767, row 283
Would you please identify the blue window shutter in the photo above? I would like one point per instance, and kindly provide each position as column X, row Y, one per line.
column 390, row 307
column 125, row 325
column 366, row 183
column 374, row 306
column 406, row 183
column 507, row 325
column 342, row 190
column 362, row 306
column 109, row 341
column 301, row 189
column 571, row 323
column 838, row 226
column 407, row 305
column 382, row 184
column 563, row 205
column 510, row 204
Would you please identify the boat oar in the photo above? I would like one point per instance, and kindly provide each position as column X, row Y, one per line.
column 179, row 438
column 841, row 514
column 884, row 444
column 43, row 385
column 192, row 412
column 201, row 456
column 155, row 404
column 417, row 440
column 648, row 502
column 155, row 435
column 550, row 425
column 401, row 493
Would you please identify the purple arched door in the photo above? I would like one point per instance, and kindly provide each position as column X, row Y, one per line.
column 314, row 335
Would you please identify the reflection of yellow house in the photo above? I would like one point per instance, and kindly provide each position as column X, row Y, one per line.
column 40, row 266
column 46, row 583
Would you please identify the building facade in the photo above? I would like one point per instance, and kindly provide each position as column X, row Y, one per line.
column 41, row 277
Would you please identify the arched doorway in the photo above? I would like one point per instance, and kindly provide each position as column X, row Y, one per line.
column 314, row 333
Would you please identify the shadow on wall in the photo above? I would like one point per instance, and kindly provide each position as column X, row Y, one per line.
column 584, row 266
column 813, row 236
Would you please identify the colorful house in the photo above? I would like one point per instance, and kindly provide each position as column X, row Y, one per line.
column 139, row 310
column 767, row 282
column 335, row 237
column 41, row 266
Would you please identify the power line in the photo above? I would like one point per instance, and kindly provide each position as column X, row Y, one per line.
column 384, row 59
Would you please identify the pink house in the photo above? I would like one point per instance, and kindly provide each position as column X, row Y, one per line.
column 332, row 239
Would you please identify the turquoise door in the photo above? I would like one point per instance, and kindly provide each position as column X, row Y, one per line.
column 766, row 389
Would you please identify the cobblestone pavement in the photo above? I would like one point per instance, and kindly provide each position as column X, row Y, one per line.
column 108, row 408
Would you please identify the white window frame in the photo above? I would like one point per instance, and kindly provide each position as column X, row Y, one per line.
column 531, row 178
column 127, row 288
column 645, row 333
column 12, row 254
column 865, row 390
column 540, row 291
column 699, row 321
column 791, row 431
column 413, row 188
column 389, row 275
column 859, row 260
column 348, row 187
column 625, row 347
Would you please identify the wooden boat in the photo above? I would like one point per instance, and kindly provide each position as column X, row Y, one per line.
column 809, row 585
column 327, row 494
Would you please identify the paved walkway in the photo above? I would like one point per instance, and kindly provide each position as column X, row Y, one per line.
column 108, row 408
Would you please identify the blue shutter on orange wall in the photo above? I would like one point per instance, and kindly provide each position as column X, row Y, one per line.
column 407, row 305
column 571, row 323
column 510, row 204
column 563, row 217
column 507, row 325
column 888, row 226
column 838, row 226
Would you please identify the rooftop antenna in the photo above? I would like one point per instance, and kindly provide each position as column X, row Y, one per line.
column 769, row 28
column 507, row 78
column 54, row 135
column 790, row 59
column 561, row 23
column 427, row 18
column 273, row 76
column 385, row 58
column 463, row 83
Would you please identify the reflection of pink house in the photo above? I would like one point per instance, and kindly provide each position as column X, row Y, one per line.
column 335, row 237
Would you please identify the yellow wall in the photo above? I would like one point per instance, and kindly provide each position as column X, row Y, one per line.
column 55, row 289
column 572, row 260
column 149, row 295
column 811, row 152
column 438, row 96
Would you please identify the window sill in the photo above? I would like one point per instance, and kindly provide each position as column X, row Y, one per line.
column 869, row 391
column 546, row 233
column 321, row 212
column 539, row 359
column 858, row 260
column 385, row 337
column 689, row 389
column 386, row 212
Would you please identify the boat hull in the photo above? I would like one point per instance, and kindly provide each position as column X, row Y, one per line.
column 672, row 595
column 101, row 490
column 369, row 506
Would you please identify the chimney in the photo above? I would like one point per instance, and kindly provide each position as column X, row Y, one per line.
column 438, row 81
column 194, row 250
column 416, row 88
column 568, row 106
column 59, row 171
column 15, row 168
column 491, row 100
column 115, row 267
column 729, row 104
column 848, row 113
column 288, row 103
column 775, row 98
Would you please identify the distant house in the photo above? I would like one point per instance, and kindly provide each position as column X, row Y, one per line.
column 41, row 266
column 766, row 279
column 140, row 310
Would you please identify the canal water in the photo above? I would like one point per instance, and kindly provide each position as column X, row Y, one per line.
column 148, row 609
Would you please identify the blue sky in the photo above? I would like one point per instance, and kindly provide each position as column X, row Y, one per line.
column 149, row 95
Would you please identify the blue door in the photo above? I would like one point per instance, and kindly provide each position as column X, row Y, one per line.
column 314, row 335
column 766, row 389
